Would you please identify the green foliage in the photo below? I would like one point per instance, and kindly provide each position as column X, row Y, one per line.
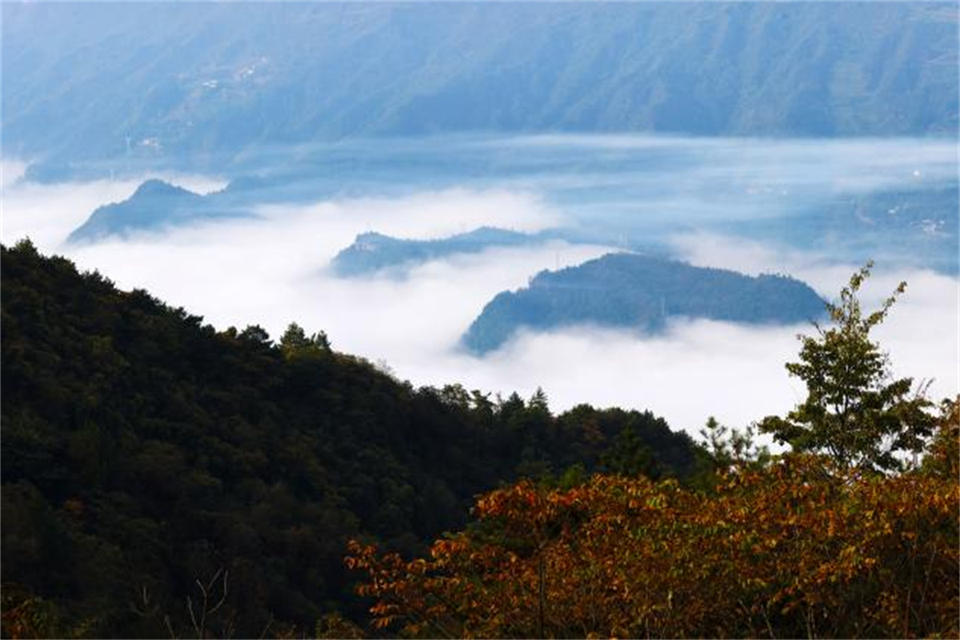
column 853, row 410
column 730, row 447
column 628, row 456
column 295, row 343
column 144, row 451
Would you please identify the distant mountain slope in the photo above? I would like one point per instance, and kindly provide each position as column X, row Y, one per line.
column 639, row 292
column 155, row 205
column 372, row 252
column 143, row 450
column 143, row 80
column 913, row 226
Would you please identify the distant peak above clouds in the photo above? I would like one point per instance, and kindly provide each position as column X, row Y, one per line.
column 153, row 206
column 156, row 188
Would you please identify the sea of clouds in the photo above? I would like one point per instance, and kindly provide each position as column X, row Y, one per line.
column 272, row 269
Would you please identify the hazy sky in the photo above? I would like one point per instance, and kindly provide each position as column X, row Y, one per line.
column 272, row 269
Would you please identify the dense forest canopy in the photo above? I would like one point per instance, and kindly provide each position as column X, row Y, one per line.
column 144, row 450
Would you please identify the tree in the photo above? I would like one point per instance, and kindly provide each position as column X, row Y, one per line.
column 629, row 456
column 294, row 338
column 730, row 447
column 943, row 454
column 256, row 334
column 539, row 402
column 774, row 552
column 854, row 411
column 295, row 342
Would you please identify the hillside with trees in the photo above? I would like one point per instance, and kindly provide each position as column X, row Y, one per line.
column 149, row 459
column 161, row 478
column 852, row 533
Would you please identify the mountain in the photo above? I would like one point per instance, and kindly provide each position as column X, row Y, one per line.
column 372, row 252
column 913, row 226
column 143, row 451
column 642, row 293
column 146, row 81
column 153, row 206
column 157, row 205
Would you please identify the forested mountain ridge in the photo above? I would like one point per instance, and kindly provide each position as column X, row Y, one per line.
column 153, row 206
column 144, row 450
column 372, row 252
column 211, row 80
column 639, row 292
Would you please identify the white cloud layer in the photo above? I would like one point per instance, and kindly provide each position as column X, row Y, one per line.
column 271, row 270
column 11, row 171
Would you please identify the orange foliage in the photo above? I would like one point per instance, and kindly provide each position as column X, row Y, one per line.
column 786, row 551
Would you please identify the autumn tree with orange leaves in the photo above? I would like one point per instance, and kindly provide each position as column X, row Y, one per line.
column 772, row 553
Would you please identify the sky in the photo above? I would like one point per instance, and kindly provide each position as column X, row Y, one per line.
column 272, row 269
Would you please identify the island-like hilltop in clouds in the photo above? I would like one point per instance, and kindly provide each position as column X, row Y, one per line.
column 153, row 206
column 373, row 252
column 639, row 292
